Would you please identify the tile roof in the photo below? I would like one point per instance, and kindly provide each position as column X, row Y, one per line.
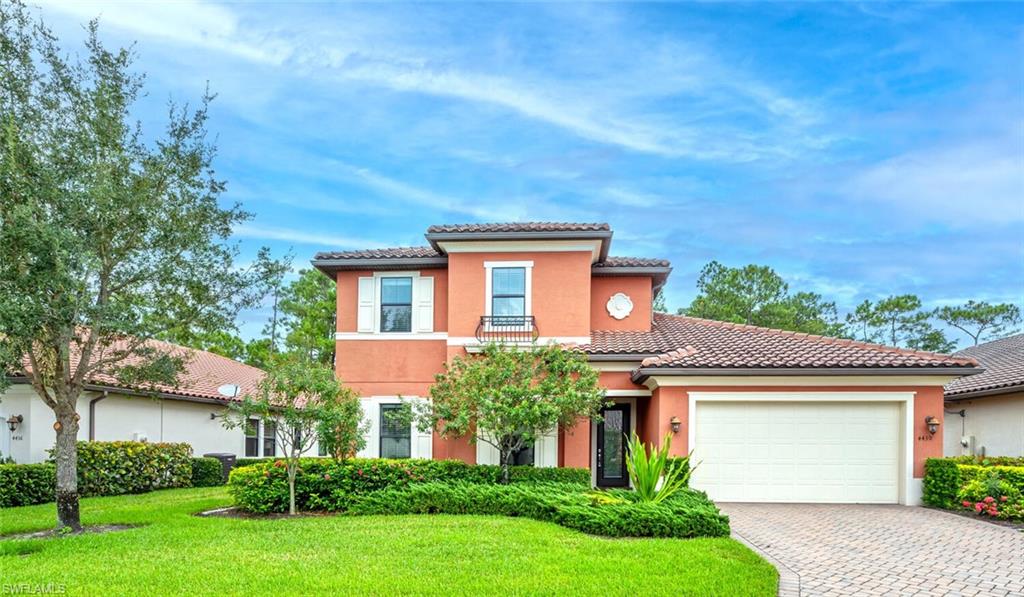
column 203, row 373
column 1003, row 361
column 519, row 227
column 677, row 342
column 391, row 253
column 632, row 262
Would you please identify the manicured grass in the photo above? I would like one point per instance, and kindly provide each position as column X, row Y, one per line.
column 177, row 552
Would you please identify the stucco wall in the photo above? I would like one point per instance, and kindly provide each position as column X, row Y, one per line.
column 637, row 288
column 118, row 417
column 996, row 422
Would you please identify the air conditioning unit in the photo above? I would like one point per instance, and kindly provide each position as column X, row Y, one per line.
column 140, row 437
column 967, row 445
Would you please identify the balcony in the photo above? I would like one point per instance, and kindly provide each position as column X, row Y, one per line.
column 507, row 329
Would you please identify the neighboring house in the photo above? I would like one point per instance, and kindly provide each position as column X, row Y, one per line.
column 985, row 413
column 192, row 412
column 770, row 415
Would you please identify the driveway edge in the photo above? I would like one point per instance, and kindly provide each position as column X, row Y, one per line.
column 789, row 580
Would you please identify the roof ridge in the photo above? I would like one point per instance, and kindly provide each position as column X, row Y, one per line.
column 822, row 339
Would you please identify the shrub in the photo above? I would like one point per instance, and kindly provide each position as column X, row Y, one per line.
column 1014, row 475
column 652, row 475
column 207, row 472
column 687, row 514
column 989, row 460
column 324, row 484
column 26, row 484
column 114, row 468
column 987, row 494
column 941, row 482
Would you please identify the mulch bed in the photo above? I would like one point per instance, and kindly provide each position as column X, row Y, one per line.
column 996, row 521
column 233, row 512
column 89, row 530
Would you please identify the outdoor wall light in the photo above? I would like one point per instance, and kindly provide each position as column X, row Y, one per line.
column 932, row 423
column 675, row 423
column 14, row 421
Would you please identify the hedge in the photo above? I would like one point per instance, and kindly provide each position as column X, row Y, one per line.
column 26, row 484
column 207, row 472
column 688, row 514
column 323, row 484
column 114, row 468
column 989, row 460
column 944, row 477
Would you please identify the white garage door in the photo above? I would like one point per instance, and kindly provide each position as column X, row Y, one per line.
column 838, row 452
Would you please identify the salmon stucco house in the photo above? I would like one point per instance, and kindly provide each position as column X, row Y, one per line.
column 771, row 415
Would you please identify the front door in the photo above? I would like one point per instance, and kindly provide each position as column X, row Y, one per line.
column 611, row 446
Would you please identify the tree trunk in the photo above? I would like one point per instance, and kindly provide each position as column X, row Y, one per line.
column 67, row 469
column 506, row 466
column 291, row 488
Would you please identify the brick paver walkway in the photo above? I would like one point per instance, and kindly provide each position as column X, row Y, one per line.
column 824, row 549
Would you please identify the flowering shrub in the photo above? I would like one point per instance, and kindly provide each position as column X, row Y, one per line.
column 988, row 495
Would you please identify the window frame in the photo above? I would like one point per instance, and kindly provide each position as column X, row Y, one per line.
column 382, row 425
column 496, row 295
column 255, row 437
column 272, row 438
column 381, row 304
column 489, row 266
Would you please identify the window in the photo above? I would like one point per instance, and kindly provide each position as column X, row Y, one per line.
column 395, row 434
column 508, row 291
column 269, row 440
column 396, row 304
column 252, row 437
column 523, row 456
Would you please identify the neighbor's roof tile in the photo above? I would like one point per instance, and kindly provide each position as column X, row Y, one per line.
column 519, row 227
column 687, row 342
column 1003, row 361
column 632, row 262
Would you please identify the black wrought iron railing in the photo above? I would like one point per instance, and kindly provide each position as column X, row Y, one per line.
column 507, row 328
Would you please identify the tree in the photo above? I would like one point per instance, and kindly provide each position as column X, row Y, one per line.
column 981, row 320
column 343, row 431
column 299, row 398
column 102, row 235
column 274, row 273
column 659, row 305
column 308, row 307
column 898, row 321
column 757, row 295
column 508, row 398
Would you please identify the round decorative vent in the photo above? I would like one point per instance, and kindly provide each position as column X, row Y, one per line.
column 620, row 306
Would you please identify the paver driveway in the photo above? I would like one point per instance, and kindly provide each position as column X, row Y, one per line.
column 824, row 549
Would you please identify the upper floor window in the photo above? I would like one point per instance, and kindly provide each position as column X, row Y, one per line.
column 508, row 291
column 396, row 304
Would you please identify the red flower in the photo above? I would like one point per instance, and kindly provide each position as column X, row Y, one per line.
column 979, row 507
column 966, row 503
column 989, row 499
column 327, row 476
column 360, row 471
column 1003, row 499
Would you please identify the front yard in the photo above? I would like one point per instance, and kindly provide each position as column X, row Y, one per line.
column 174, row 551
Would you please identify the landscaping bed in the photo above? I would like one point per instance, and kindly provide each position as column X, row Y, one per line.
column 989, row 488
column 394, row 487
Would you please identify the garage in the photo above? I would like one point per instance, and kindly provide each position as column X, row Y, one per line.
column 798, row 448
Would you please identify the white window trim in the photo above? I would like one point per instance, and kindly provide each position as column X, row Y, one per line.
column 371, row 411
column 910, row 488
column 489, row 281
column 377, row 277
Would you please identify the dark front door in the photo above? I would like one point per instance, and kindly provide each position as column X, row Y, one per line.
column 611, row 446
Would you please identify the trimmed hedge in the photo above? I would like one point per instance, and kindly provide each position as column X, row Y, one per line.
column 688, row 514
column 207, row 472
column 26, row 484
column 945, row 477
column 115, row 468
column 989, row 460
column 323, row 484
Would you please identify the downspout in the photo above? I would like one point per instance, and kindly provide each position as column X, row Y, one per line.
column 92, row 414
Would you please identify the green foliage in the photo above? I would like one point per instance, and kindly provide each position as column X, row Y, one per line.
column 980, row 320
column 303, row 400
column 659, row 305
column 989, row 460
column 342, row 430
column 26, row 484
column 898, row 321
column 1011, row 474
column 323, row 484
column 113, row 468
column 207, row 472
column 566, row 505
column 653, row 477
column 308, row 308
column 988, row 484
column 757, row 295
column 509, row 398
column 942, row 482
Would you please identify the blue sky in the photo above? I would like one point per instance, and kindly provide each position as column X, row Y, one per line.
column 859, row 149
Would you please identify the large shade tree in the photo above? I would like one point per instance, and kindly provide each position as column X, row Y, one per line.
column 980, row 320
column 898, row 320
column 104, row 236
column 509, row 397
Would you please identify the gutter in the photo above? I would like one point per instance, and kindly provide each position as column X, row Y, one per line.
column 605, row 236
column 92, row 414
column 986, row 392
column 641, row 374
column 329, row 265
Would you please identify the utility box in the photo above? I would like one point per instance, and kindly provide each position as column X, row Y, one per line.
column 227, row 462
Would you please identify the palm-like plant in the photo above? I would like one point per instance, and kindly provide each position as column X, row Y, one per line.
column 652, row 474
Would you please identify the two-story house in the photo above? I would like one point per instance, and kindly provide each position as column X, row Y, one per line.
column 769, row 415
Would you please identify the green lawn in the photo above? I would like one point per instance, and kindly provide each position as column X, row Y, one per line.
column 177, row 552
